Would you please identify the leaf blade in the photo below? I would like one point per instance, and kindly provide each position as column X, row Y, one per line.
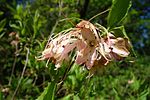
column 49, row 92
column 118, row 12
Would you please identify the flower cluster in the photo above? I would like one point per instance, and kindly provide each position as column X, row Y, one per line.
column 91, row 44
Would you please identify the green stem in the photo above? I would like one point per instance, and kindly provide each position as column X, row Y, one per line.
column 64, row 77
column 99, row 14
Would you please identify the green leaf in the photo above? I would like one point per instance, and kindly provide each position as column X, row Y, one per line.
column 1, row 13
column 68, row 97
column 2, row 34
column 1, row 96
column 119, row 31
column 143, row 95
column 18, row 25
column 19, row 9
column 36, row 23
column 49, row 92
column 118, row 12
column 2, row 24
column 76, row 97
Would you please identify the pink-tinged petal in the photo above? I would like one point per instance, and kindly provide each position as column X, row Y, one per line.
column 82, row 55
column 115, row 56
column 89, row 37
column 87, row 56
column 80, row 59
column 119, row 47
column 123, row 52
column 92, row 57
column 47, row 53
column 82, row 24
column 102, row 49
column 111, row 36
column 57, row 66
column 81, row 45
column 93, row 28
column 106, row 48
column 67, row 48
column 98, row 64
column 88, row 32
column 88, row 64
column 58, row 52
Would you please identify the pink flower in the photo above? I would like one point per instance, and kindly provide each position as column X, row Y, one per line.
column 90, row 47
column 118, row 47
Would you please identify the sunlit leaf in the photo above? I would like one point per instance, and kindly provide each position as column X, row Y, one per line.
column 49, row 92
column 2, row 24
column 1, row 13
column 118, row 12
column 1, row 35
column 68, row 97
column 1, row 96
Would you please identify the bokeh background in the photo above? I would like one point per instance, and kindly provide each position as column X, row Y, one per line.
column 25, row 26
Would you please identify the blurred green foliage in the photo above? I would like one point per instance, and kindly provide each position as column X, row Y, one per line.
column 25, row 26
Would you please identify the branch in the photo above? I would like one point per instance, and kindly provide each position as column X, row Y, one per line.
column 19, row 82
column 84, row 8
